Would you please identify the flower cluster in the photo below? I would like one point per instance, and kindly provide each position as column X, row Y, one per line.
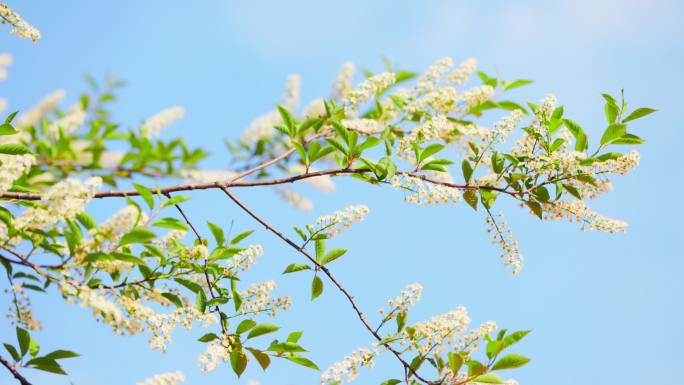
column 295, row 199
column 404, row 301
column 45, row 106
column 264, row 126
column 19, row 26
column 5, row 61
column 577, row 211
column 257, row 298
column 343, row 81
column 348, row 369
column 20, row 313
column 502, row 236
column 367, row 89
column 440, row 333
column 171, row 378
column 424, row 192
column 244, row 259
column 333, row 224
column 160, row 121
column 70, row 122
column 62, row 201
column 217, row 351
column 13, row 167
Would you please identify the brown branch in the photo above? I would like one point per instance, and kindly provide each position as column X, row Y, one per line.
column 22, row 380
column 268, row 182
column 332, row 278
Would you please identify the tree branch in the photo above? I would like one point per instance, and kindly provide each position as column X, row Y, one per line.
column 332, row 278
column 22, row 380
column 269, row 182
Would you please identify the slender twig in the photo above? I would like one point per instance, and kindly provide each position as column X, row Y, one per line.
column 22, row 380
column 332, row 278
column 206, row 261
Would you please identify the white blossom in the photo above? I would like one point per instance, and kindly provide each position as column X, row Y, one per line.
column 19, row 26
column 333, row 224
column 40, row 110
column 343, row 81
column 295, row 199
column 171, row 378
column 160, row 121
column 12, row 167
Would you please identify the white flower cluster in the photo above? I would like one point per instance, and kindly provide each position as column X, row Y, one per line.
column 19, row 26
column 502, row 236
column 462, row 74
column 429, row 79
column 503, row 128
column 217, row 351
column 477, row 95
column 171, row 378
column 70, row 122
column 439, row 127
column 343, row 81
column 364, row 126
column 367, row 89
column 348, row 369
column 243, row 260
column 12, row 167
column 423, row 192
column 257, row 298
column 404, row 301
column 207, row 176
column 333, row 224
column 440, row 333
column 20, row 313
column 5, row 61
column 291, row 96
column 40, row 110
column 295, row 199
column 62, row 201
column 160, row 121
column 577, row 211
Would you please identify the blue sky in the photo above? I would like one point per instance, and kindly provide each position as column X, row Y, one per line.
column 603, row 309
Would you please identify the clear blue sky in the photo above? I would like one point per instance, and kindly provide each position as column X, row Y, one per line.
column 604, row 309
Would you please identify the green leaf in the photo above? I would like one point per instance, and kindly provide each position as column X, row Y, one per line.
column 316, row 287
column 208, row 337
column 218, row 233
column 515, row 337
column 628, row 139
column 295, row 267
column 510, row 361
column 201, row 301
column 137, row 235
column 46, row 365
column 285, row 347
column 86, row 220
column 304, row 362
column 612, row 111
column 332, row 255
column 467, row 170
column 145, row 194
column 294, row 336
column 614, row 131
column 517, row 83
column 470, row 197
column 13, row 352
column 174, row 299
column 262, row 329
column 245, row 326
column 241, row 236
column 7, row 129
column 262, row 358
column 238, row 361
column 320, row 249
column 171, row 223
column 429, row 151
column 455, row 362
column 24, row 339
column 638, row 113
column 489, row 378
column 14, row 149
column 391, row 381
column 61, row 354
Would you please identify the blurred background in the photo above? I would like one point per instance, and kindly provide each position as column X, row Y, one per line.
column 603, row 309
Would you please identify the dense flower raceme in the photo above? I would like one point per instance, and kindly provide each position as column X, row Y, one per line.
column 171, row 378
column 18, row 25
column 150, row 267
